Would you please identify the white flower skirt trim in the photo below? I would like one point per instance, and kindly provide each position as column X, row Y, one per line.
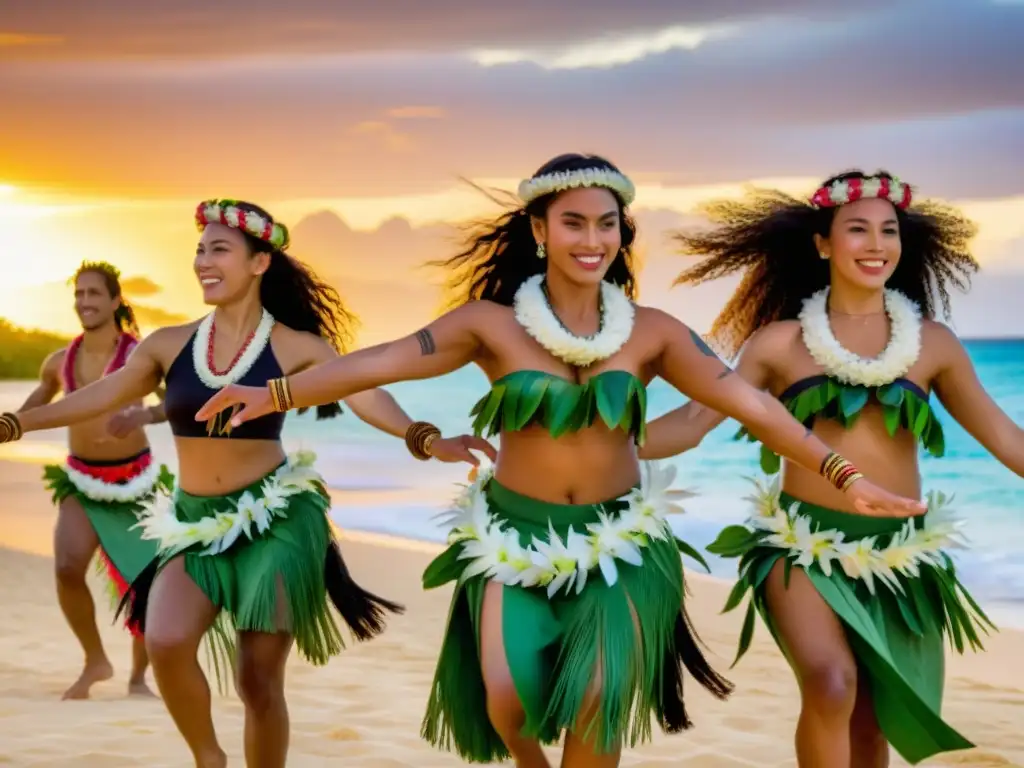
column 136, row 489
column 557, row 563
column 246, row 515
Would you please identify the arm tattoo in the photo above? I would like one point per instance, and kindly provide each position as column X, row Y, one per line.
column 701, row 344
column 426, row 340
column 708, row 352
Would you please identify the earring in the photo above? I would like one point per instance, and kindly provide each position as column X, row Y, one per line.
column 822, row 255
column 542, row 252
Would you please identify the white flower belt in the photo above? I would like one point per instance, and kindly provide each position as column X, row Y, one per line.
column 908, row 549
column 556, row 563
column 100, row 490
column 220, row 530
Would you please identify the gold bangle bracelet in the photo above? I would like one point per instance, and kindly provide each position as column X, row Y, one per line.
column 839, row 472
column 419, row 437
column 10, row 428
column 280, row 394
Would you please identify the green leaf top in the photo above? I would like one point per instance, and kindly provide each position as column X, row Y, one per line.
column 522, row 398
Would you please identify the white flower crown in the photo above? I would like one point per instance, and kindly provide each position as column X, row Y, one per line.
column 559, row 181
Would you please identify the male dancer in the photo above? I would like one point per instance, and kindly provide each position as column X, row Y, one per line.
column 108, row 475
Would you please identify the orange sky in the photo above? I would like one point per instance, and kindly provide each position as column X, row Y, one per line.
column 116, row 122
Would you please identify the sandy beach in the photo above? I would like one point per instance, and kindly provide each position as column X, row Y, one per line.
column 364, row 708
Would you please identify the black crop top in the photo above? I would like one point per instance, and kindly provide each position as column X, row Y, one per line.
column 186, row 394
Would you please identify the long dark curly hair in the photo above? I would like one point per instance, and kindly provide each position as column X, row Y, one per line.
column 769, row 237
column 499, row 255
column 293, row 293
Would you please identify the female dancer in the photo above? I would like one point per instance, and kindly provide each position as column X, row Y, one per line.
column 830, row 311
column 537, row 641
column 247, row 533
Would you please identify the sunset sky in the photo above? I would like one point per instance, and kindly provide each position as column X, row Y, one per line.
column 353, row 123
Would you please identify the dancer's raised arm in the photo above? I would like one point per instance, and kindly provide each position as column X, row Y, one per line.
column 683, row 428
column 139, row 376
column 963, row 395
column 378, row 408
column 445, row 345
column 692, row 367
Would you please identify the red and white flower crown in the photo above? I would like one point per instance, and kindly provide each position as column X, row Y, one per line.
column 229, row 213
column 850, row 190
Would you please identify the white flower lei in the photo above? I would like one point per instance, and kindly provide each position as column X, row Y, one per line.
column 496, row 552
column 122, row 493
column 861, row 559
column 560, row 181
column 260, row 339
column 896, row 359
column 538, row 319
column 218, row 532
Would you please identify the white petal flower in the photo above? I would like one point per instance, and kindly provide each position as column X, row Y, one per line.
column 556, row 564
column 859, row 561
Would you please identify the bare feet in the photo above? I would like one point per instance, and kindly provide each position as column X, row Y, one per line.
column 218, row 759
column 139, row 688
column 95, row 672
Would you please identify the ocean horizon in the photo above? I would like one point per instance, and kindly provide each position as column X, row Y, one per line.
column 378, row 488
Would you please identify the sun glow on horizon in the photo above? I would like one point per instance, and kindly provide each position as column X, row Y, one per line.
column 49, row 234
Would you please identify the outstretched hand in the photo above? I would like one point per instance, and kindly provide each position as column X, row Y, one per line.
column 870, row 500
column 250, row 402
column 453, row 449
column 124, row 422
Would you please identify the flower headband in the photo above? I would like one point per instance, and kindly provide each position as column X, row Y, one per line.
column 559, row 181
column 851, row 190
column 229, row 213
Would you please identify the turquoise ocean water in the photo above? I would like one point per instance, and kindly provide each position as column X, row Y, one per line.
column 380, row 488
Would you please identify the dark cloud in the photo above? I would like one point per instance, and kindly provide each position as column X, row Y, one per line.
column 155, row 317
column 139, row 286
column 118, row 29
column 935, row 90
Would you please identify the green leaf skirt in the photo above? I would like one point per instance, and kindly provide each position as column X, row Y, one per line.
column 556, row 645
column 123, row 553
column 277, row 580
column 896, row 622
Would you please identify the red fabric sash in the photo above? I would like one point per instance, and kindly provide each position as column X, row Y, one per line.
column 125, row 344
column 119, row 473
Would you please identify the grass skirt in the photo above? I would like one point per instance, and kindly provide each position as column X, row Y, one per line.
column 557, row 636
column 114, row 495
column 893, row 587
column 266, row 556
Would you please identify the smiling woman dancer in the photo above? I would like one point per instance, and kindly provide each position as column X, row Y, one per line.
column 568, row 609
column 247, row 532
column 830, row 312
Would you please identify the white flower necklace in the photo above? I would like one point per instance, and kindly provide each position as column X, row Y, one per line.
column 202, row 352
column 896, row 359
column 534, row 313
